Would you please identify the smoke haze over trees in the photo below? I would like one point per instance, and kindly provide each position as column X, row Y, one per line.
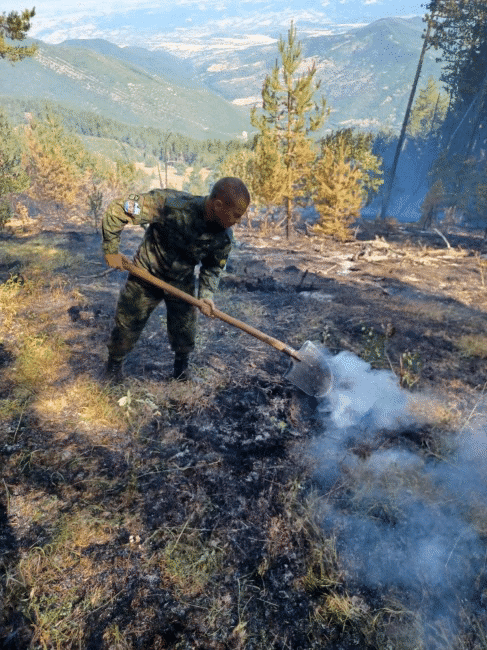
column 460, row 36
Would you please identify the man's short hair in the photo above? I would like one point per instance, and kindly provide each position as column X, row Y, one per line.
column 230, row 190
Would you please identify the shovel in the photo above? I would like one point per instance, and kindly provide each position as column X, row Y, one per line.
column 308, row 369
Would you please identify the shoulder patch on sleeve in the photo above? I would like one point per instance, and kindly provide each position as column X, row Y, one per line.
column 131, row 207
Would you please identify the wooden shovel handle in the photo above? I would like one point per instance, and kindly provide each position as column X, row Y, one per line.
column 197, row 302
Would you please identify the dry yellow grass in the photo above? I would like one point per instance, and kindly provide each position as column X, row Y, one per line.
column 80, row 400
column 41, row 360
column 341, row 610
column 433, row 409
column 473, row 346
column 56, row 578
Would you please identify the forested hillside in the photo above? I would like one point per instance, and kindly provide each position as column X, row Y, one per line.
column 440, row 174
column 133, row 90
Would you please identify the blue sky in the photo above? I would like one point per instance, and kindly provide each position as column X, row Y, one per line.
column 153, row 22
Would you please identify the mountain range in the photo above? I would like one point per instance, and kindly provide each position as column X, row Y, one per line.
column 366, row 75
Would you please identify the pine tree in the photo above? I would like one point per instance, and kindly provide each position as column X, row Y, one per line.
column 13, row 177
column 95, row 205
column 15, row 27
column 356, row 147
column 289, row 115
column 460, row 33
column 428, row 111
column 241, row 164
column 432, row 204
column 270, row 174
column 58, row 163
column 459, row 30
column 338, row 195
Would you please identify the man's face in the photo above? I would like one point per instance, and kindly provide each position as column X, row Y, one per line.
column 229, row 215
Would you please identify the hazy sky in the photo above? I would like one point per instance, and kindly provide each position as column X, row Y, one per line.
column 148, row 22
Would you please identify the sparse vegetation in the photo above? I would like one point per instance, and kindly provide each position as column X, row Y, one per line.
column 168, row 513
column 473, row 346
column 410, row 365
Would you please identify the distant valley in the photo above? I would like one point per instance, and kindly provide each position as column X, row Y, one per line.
column 366, row 75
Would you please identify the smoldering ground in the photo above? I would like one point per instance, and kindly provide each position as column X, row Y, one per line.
column 409, row 524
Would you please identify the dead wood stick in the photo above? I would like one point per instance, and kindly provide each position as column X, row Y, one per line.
column 443, row 237
column 98, row 275
column 328, row 270
column 303, row 277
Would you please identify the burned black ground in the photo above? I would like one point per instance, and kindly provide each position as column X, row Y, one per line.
column 202, row 526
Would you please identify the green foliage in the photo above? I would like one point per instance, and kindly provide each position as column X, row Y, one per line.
column 14, row 26
column 58, row 162
column 242, row 165
column 374, row 351
column 410, row 364
column 112, row 139
column 458, row 184
column 13, row 177
column 5, row 212
column 289, row 115
column 357, row 151
column 197, row 183
column 374, row 347
column 458, row 31
column 337, row 193
column 125, row 175
column 433, row 202
column 95, row 204
column 429, row 111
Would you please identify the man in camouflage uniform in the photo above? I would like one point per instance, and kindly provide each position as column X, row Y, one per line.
column 182, row 231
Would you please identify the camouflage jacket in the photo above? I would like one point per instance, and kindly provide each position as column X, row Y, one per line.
column 177, row 237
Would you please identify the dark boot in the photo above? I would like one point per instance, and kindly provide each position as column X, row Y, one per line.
column 113, row 373
column 181, row 367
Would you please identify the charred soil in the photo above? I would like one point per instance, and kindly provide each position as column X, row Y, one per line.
column 163, row 514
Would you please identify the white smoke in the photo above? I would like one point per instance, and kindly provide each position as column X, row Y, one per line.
column 404, row 520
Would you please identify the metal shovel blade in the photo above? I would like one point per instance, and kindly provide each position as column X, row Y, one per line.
column 312, row 374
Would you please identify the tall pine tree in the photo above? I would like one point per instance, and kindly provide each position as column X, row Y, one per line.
column 429, row 111
column 460, row 33
column 289, row 115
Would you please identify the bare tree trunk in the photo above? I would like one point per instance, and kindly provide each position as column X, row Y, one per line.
column 387, row 195
column 426, row 220
column 288, row 218
column 265, row 228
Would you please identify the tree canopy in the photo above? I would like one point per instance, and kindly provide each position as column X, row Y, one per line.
column 14, row 26
column 289, row 115
column 458, row 29
column 460, row 35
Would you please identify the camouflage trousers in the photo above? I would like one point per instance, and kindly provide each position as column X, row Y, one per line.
column 136, row 303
